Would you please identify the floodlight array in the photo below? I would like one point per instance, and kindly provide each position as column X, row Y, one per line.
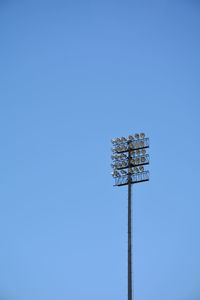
column 135, row 178
column 129, row 158
column 122, row 146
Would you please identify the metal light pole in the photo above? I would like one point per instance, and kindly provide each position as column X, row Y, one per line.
column 129, row 157
column 129, row 240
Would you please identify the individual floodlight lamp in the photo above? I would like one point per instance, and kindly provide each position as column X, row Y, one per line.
column 142, row 135
column 137, row 161
column 143, row 151
column 137, row 136
column 141, row 144
column 136, row 145
column 131, row 137
column 129, row 160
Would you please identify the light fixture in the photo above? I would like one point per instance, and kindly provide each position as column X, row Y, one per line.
column 126, row 173
column 136, row 145
column 141, row 143
column 133, row 153
column 143, row 151
column 137, row 136
column 137, row 161
column 142, row 135
column 131, row 146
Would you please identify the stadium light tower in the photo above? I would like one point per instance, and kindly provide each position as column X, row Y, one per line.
column 129, row 158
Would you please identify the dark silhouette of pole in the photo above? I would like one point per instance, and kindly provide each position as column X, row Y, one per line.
column 129, row 238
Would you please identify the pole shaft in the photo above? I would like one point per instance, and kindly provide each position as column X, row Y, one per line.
column 129, row 238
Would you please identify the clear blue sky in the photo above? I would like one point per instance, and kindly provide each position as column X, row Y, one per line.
column 73, row 75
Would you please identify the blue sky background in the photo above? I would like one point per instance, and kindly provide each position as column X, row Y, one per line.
column 73, row 75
